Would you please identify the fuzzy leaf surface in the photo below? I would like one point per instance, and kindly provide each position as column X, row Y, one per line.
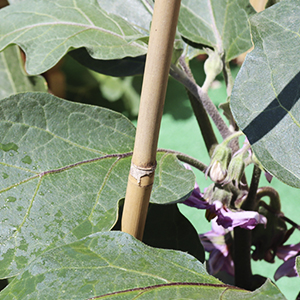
column 47, row 29
column 114, row 265
column 265, row 99
column 64, row 167
column 218, row 24
column 137, row 12
column 12, row 75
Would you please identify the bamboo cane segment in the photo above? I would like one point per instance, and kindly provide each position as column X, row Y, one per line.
column 154, row 87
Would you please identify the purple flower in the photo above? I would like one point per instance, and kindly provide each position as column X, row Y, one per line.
column 288, row 253
column 245, row 219
column 218, row 242
column 225, row 217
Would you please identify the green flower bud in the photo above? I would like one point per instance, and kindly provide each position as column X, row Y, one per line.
column 213, row 64
column 236, row 169
column 219, row 163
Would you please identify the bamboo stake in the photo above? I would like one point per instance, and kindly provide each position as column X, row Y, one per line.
column 154, row 87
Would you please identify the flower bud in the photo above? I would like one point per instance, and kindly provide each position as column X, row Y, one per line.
column 219, row 163
column 236, row 168
column 213, row 64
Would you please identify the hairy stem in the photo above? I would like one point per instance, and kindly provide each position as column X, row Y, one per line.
column 273, row 195
column 203, row 98
column 228, row 78
column 251, row 200
column 187, row 159
column 204, row 123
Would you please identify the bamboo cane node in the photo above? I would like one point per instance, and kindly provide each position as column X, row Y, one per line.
column 138, row 172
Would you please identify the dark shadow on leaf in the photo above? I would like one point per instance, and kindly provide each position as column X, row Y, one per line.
column 274, row 112
column 127, row 66
column 167, row 228
column 3, row 284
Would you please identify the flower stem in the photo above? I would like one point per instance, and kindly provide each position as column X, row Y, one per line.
column 251, row 200
column 242, row 258
column 242, row 239
column 273, row 195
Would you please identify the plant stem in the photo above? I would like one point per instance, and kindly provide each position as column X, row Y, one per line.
column 203, row 98
column 242, row 258
column 242, row 239
column 251, row 200
column 273, row 195
column 204, row 123
column 158, row 61
column 228, row 78
column 187, row 159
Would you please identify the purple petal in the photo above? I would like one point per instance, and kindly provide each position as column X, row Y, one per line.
column 215, row 239
column 288, row 268
column 244, row 219
column 196, row 200
column 288, row 251
column 218, row 229
column 216, row 261
column 268, row 176
column 212, row 241
column 219, row 262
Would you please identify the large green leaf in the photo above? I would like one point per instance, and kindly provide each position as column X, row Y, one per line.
column 12, row 75
column 219, row 24
column 63, row 168
column 265, row 99
column 114, row 265
column 47, row 29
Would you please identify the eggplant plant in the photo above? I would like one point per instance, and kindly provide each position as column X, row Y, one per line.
column 64, row 165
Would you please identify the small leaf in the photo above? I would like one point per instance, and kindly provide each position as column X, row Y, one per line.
column 222, row 25
column 47, row 29
column 66, row 165
column 298, row 265
column 12, row 75
column 265, row 99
